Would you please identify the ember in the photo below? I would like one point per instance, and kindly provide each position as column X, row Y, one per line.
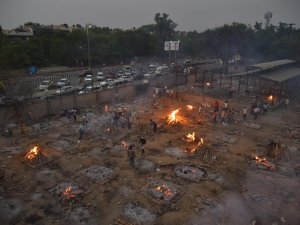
column 164, row 190
column 201, row 142
column 190, row 107
column 33, row 153
column 172, row 117
column 264, row 162
column 68, row 193
column 190, row 137
column 124, row 144
column 270, row 98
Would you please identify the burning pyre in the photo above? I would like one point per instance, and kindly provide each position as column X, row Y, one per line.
column 172, row 117
column 67, row 192
column 161, row 190
column 34, row 156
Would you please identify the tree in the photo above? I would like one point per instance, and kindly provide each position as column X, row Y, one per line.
column 268, row 16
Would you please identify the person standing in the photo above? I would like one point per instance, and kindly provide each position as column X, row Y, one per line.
column 245, row 112
column 286, row 103
column 154, row 125
column 142, row 141
column 131, row 155
column 255, row 112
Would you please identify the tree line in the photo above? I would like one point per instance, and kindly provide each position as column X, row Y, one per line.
column 108, row 46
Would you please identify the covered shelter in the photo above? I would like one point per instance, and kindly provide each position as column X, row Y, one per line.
column 273, row 77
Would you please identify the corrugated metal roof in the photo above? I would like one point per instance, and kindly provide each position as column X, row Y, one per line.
column 273, row 64
column 282, row 75
column 210, row 67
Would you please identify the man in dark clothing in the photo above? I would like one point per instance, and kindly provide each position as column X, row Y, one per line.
column 154, row 125
column 131, row 154
column 142, row 141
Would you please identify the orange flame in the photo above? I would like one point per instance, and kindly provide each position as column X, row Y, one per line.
column 270, row 98
column 264, row 162
column 201, row 142
column 164, row 189
column 172, row 116
column 190, row 107
column 32, row 153
column 68, row 193
column 207, row 84
column 190, row 137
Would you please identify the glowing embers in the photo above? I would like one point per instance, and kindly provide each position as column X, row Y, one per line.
column 67, row 192
column 172, row 117
column 270, row 98
column 191, row 173
column 190, row 137
column 190, row 107
column 35, row 157
column 161, row 191
column 263, row 163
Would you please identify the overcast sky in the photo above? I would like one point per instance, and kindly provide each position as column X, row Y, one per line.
column 188, row 14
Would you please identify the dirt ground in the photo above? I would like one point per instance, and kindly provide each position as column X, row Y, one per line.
column 226, row 185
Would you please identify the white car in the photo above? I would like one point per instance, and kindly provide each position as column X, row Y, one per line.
column 65, row 90
column 103, row 84
column 150, row 74
column 100, row 76
column 63, row 82
column 46, row 84
column 88, row 79
column 127, row 73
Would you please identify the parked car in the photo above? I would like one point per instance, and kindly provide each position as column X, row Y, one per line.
column 121, row 73
column 162, row 70
column 63, row 82
column 65, row 90
column 150, row 74
column 88, row 79
column 86, row 72
column 100, row 76
column 127, row 73
column 46, row 84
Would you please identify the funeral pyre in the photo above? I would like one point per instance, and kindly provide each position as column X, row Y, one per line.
column 34, row 156
column 67, row 192
column 161, row 190
column 191, row 173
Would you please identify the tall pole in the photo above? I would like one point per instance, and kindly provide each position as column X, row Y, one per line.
column 88, row 41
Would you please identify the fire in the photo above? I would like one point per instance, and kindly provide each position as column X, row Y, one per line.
column 68, row 193
column 270, row 98
column 190, row 137
column 207, row 84
column 172, row 116
column 201, row 142
column 190, row 107
column 263, row 161
column 32, row 153
column 164, row 189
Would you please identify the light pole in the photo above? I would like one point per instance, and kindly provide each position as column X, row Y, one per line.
column 88, row 42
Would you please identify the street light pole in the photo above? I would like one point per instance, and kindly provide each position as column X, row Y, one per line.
column 88, row 42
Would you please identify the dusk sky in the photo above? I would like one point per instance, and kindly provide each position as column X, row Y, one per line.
column 188, row 14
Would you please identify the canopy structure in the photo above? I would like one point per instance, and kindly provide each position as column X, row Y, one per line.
column 282, row 75
column 272, row 64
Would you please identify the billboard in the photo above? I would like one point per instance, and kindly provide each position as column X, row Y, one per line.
column 172, row 46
